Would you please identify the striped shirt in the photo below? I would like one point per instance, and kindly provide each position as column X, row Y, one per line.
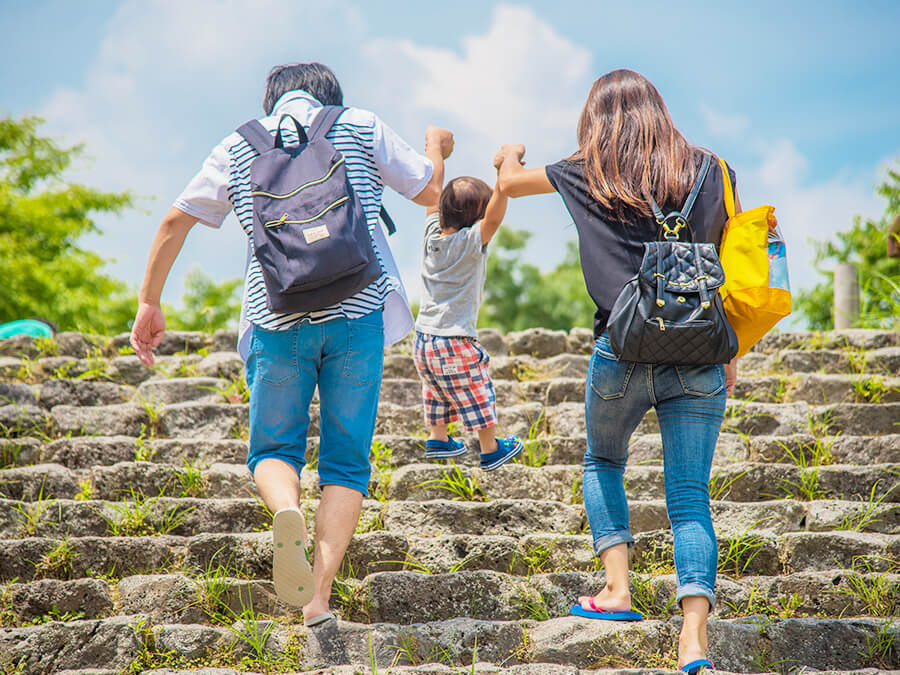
column 374, row 155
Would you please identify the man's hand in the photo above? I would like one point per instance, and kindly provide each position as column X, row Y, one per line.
column 731, row 375
column 148, row 330
column 516, row 152
column 442, row 138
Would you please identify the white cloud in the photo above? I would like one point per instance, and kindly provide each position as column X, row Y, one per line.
column 808, row 210
column 519, row 81
column 171, row 79
column 721, row 124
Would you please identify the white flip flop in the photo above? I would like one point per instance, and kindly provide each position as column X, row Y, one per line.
column 318, row 620
column 291, row 571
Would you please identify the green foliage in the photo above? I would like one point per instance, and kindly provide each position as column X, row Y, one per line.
column 207, row 306
column 42, row 220
column 463, row 487
column 865, row 244
column 518, row 295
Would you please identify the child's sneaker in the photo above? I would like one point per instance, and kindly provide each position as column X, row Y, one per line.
column 435, row 449
column 507, row 448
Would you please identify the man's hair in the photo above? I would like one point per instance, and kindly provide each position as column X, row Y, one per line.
column 463, row 202
column 315, row 79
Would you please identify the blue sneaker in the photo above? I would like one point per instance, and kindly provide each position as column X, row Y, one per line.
column 507, row 448
column 452, row 447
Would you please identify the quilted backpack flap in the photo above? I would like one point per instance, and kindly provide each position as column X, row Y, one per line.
column 683, row 265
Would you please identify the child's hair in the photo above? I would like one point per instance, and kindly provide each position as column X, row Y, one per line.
column 463, row 202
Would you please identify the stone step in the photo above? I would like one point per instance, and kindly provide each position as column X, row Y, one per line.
column 414, row 597
column 813, row 388
column 220, row 420
column 855, row 339
column 736, row 645
column 84, row 452
column 120, row 370
column 535, row 341
column 518, row 517
column 749, row 552
column 524, row 367
column 740, row 482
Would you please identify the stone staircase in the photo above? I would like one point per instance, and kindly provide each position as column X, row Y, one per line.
column 134, row 541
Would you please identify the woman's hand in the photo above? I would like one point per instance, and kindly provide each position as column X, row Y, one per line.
column 509, row 151
column 731, row 375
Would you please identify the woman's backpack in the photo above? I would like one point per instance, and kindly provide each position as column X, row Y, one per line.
column 671, row 312
column 310, row 232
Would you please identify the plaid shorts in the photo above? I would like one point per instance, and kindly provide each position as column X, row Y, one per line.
column 455, row 381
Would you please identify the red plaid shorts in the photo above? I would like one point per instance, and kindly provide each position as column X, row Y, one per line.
column 455, row 381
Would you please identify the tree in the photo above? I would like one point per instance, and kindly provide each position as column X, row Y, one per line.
column 45, row 272
column 864, row 245
column 207, row 306
column 517, row 295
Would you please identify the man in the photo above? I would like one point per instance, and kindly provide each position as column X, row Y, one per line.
column 338, row 348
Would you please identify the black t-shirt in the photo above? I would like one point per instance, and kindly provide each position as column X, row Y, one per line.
column 611, row 252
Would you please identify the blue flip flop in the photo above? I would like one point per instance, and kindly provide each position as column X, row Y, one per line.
column 603, row 615
column 694, row 667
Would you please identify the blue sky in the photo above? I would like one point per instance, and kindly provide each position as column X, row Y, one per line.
column 802, row 98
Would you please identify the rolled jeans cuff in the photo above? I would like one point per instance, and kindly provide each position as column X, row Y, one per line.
column 693, row 590
column 612, row 539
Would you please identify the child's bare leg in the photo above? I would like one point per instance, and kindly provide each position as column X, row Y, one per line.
column 488, row 439
column 439, row 432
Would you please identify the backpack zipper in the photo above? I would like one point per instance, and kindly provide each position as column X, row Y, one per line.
column 284, row 219
column 261, row 193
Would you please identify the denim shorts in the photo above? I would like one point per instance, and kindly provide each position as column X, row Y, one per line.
column 344, row 358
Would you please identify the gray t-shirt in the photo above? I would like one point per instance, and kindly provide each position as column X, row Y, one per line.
column 453, row 271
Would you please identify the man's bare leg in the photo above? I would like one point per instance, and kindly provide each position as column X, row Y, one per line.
column 336, row 521
column 278, row 484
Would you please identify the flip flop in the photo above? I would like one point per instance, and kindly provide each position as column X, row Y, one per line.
column 290, row 569
column 695, row 666
column 316, row 620
column 602, row 614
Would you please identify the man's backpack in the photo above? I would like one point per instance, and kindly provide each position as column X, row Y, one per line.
column 310, row 233
column 671, row 311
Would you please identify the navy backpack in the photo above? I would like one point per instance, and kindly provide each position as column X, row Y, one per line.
column 310, row 233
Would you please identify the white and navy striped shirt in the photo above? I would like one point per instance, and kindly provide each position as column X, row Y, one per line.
column 374, row 155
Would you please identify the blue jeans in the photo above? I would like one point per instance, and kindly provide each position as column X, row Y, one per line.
column 344, row 357
column 690, row 405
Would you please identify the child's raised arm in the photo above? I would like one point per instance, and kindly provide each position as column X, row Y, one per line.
column 493, row 214
column 438, row 147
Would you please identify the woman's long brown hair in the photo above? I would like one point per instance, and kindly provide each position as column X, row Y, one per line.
column 630, row 148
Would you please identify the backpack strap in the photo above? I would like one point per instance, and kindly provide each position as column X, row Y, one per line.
column 324, row 120
column 692, row 195
column 256, row 135
column 320, row 126
column 388, row 221
column 727, row 190
column 698, row 183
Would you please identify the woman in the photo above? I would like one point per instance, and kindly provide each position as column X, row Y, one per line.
column 629, row 150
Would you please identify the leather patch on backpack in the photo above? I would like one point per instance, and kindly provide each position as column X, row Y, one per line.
column 314, row 234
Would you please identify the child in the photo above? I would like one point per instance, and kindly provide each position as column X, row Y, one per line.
column 452, row 364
